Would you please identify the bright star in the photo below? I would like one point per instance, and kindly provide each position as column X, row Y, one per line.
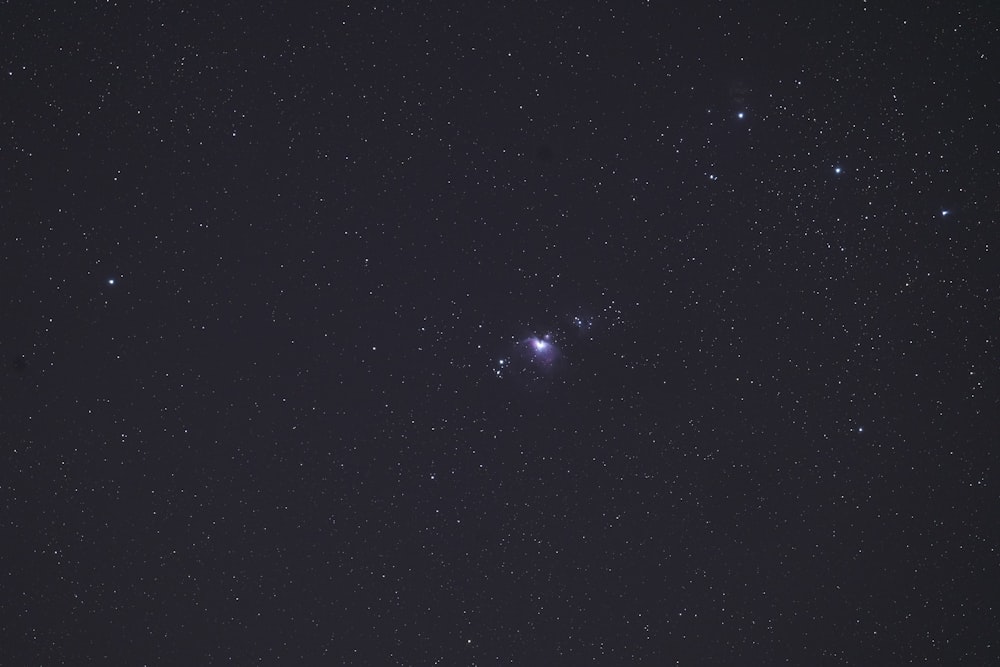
column 111, row 281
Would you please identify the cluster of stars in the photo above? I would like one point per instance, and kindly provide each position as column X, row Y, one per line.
column 542, row 352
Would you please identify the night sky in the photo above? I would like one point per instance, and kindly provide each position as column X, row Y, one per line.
column 500, row 334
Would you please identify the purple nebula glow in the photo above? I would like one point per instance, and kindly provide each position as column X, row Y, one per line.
column 541, row 350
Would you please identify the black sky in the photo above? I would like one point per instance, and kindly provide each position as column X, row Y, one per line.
column 272, row 277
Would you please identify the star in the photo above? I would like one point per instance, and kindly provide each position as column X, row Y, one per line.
column 583, row 323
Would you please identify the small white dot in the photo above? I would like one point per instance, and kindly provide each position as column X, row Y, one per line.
column 945, row 212
column 111, row 281
column 741, row 115
column 838, row 170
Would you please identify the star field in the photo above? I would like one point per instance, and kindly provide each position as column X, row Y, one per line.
column 502, row 334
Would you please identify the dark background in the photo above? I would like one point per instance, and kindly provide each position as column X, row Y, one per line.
column 265, row 274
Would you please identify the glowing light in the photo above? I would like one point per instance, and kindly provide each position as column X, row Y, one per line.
column 539, row 352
